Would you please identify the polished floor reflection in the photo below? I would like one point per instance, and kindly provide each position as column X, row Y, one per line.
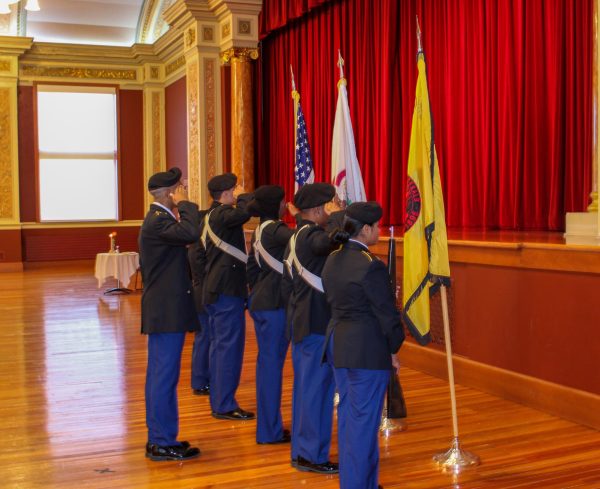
column 72, row 363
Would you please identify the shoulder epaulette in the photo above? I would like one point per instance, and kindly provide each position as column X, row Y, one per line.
column 368, row 255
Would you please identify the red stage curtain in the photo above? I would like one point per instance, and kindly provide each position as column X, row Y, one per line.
column 511, row 93
column 277, row 13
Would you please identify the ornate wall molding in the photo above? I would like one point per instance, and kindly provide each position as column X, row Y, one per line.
column 193, row 131
column 4, row 65
column 156, row 132
column 174, row 65
column 210, row 111
column 79, row 73
column 6, row 156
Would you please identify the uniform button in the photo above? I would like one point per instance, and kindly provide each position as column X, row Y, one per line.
column 189, row 291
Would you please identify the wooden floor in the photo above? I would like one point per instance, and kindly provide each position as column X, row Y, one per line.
column 72, row 411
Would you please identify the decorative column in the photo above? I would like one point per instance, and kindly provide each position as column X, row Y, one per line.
column 10, row 227
column 583, row 228
column 203, row 82
column 242, row 121
column 154, row 124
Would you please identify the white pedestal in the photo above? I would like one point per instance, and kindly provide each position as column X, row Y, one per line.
column 582, row 228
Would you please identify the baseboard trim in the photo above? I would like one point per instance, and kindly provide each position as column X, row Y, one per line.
column 575, row 405
column 15, row 266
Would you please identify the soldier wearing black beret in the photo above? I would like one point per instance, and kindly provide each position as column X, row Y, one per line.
column 363, row 337
column 224, row 292
column 307, row 317
column 167, row 308
column 267, row 308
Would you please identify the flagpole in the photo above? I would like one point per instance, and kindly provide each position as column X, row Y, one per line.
column 388, row 425
column 340, row 64
column 455, row 459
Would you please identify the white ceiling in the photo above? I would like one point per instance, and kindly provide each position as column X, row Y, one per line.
column 106, row 22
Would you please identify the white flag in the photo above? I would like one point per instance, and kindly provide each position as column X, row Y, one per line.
column 345, row 172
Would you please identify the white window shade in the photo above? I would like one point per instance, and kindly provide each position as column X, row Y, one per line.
column 77, row 146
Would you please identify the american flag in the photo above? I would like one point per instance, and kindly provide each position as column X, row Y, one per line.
column 303, row 169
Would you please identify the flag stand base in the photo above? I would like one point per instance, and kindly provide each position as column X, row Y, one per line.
column 389, row 426
column 456, row 459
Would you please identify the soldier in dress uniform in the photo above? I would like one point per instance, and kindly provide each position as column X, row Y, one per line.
column 200, row 360
column 267, row 308
column 307, row 317
column 225, row 292
column 167, row 308
column 363, row 336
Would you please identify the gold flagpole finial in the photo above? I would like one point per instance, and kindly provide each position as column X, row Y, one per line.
column 340, row 63
column 419, row 36
column 293, row 81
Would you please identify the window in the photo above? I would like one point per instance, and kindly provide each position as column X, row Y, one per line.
column 77, row 145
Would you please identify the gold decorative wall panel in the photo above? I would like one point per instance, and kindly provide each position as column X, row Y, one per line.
column 6, row 148
column 193, row 132
column 209, row 107
column 156, row 132
column 80, row 73
column 4, row 65
column 174, row 65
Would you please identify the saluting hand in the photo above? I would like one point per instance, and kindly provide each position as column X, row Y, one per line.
column 292, row 209
column 179, row 194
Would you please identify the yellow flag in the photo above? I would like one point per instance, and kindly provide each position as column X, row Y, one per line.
column 425, row 241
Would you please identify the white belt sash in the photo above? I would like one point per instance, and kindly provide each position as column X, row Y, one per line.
column 219, row 243
column 262, row 253
column 292, row 261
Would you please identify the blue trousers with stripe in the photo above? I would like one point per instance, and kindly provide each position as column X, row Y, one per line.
column 272, row 349
column 162, row 376
column 227, row 330
column 200, row 352
column 362, row 395
column 312, row 400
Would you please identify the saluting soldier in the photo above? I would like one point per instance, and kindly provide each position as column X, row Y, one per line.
column 308, row 316
column 200, row 377
column 267, row 308
column 225, row 292
column 364, row 334
column 167, row 309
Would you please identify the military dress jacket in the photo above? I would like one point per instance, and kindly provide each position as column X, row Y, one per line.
column 365, row 322
column 264, row 282
column 307, row 310
column 225, row 274
column 167, row 301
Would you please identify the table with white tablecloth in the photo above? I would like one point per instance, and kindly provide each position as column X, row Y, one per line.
column 121, row 266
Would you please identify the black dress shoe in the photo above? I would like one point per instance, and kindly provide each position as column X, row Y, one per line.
column 203, row 391
column 236, row 415
column 324, row 468
column 184, row 444
column 285, row 438
column 178, row 452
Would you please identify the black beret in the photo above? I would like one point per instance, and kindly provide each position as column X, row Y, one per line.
column 269, row 194
column 365, row 212
column 222, row 182
column 266, row 201
column 164, row 179
column 313, row 195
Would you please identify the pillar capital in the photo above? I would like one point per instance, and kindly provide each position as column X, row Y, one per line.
column 243, row 54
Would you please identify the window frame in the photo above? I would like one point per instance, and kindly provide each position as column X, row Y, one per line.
column 36, row 149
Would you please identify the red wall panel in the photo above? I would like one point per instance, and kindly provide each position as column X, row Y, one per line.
column 131, row 142
column 75, row 243
column 10, row 246
column 176, row 125
column 27, row 164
